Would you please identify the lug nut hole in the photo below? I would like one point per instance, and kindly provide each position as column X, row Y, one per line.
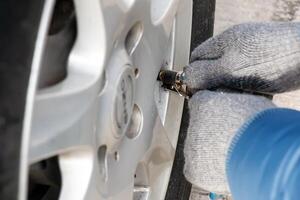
column 117, row 156
column 102, row 159
column 136, row 122
column 136, row 72
column 133, row 37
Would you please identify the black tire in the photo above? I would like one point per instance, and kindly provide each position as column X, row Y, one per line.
column 202, row 28
column 19, row 21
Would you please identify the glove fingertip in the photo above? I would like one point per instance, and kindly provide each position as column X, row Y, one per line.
column 192, row 80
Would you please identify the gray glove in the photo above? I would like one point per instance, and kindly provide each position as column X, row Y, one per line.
column 263, row 57
column 215, row 117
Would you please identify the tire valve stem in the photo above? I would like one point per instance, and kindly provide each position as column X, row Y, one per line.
column 173, row 81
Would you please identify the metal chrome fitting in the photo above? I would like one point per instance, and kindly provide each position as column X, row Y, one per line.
column 173, row 81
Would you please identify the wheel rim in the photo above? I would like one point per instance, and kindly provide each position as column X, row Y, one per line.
column 112, row 127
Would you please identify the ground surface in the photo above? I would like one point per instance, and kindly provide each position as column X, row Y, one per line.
column 230, row 12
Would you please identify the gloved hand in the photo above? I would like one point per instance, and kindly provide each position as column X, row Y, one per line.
column 263, row 57
column 215, row 118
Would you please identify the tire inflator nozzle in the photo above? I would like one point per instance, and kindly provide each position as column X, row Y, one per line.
column 173, row 81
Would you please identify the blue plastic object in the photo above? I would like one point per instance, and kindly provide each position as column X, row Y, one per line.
column 264, row 160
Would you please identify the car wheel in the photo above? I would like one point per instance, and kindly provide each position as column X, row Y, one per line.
column 82, row 113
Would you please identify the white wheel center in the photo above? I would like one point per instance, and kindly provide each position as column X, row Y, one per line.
column 124, row 100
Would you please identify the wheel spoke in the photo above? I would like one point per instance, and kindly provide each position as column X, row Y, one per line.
column 62, row 120
column 159, row 160
column 81, row 173
column 78, row 174
column 64, row 114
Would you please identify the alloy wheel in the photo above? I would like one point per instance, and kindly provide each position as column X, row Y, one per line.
column 101, row 113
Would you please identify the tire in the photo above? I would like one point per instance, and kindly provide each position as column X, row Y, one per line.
column 19, row 24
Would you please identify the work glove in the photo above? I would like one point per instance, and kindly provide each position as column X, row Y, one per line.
column 254, row 57
column 215, row 117
column 261, row 57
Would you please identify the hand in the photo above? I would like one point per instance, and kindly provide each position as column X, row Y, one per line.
column 215, row 118
column 262, row 57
